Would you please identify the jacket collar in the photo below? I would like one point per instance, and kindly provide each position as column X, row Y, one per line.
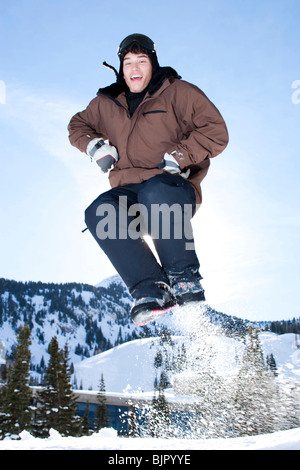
column 160, row 75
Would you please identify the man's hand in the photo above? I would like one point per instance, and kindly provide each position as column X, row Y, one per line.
column 103, row 153
column 170, row 165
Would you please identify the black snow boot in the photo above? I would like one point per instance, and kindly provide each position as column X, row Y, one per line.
column 147, row 309
column 188, row 291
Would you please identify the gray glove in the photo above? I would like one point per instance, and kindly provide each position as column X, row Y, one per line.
column 104, row 154
column 170, row 165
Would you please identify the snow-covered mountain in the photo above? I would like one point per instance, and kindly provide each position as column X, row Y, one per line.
column 91, row 319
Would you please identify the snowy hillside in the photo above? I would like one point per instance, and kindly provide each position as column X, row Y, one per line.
column 129, row 368
column 125, row 368
column 286, row 351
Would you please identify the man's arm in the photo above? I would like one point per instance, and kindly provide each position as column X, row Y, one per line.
column 82, row 127
column 83, row 135
column 208, row 136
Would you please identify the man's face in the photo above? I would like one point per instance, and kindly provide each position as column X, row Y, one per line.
column 137, row 70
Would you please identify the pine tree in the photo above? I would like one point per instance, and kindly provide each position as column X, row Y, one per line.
column 289, row 405
column 158, row 360
column 49, row 397
column 16, row 395
column 256, row 396
column 3, row 416
column 163, row 380
column 69, row 423
column 159, row 419
column 101, row 418
column 180, row 360
column 131, row 419
column 3, row 373
column 86, row 428
column 271, row 363
column 57, row 405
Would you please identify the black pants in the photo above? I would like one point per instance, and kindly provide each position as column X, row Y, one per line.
column 162, row 207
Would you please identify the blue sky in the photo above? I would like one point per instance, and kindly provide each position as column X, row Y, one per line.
column 244, row 54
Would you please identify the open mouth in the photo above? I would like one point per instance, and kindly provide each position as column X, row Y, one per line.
column 136, row 77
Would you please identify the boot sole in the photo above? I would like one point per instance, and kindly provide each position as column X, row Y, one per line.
column 143, row 317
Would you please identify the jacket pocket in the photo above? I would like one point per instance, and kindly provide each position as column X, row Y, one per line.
column 155, row 111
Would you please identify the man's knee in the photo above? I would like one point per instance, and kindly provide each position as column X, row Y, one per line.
column 153, row 191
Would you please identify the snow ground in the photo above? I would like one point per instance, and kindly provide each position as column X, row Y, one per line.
column 107, row 439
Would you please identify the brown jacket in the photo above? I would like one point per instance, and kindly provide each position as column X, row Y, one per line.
column 175, row 117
